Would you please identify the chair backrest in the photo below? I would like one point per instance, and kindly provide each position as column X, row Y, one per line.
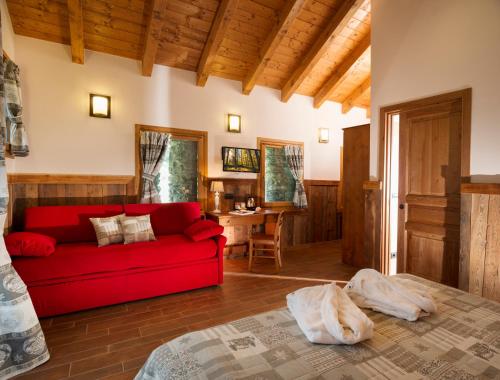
column 277, row 229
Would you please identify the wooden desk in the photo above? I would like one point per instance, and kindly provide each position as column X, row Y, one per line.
column 238, row 228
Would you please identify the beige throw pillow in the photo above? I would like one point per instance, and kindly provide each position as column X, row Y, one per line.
column 108, row 230
column 136, row 229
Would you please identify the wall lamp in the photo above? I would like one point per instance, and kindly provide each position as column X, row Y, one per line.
column 233, row 123
column 324, row 135
column 100, row 106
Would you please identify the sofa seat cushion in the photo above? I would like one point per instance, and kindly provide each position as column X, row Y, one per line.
column 72, row 261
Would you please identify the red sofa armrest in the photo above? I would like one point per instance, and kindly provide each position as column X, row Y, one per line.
column 221, row 243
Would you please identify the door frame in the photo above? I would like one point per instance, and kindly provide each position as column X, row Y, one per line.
column 385, row 149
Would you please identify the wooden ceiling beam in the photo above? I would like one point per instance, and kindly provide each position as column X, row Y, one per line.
column 289, row 12
column 75, row 12
column 326, row 91
column 153, row 34
column 351, row 99
column 332, row 30
column 221, row 22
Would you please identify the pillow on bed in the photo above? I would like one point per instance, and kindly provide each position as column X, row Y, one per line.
column 29, row 244
column 203, row 229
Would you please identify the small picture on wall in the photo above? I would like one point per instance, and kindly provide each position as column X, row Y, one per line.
column 240, row 160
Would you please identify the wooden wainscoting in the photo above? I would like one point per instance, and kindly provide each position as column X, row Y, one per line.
column 322, row 221
column 480, row 240
column 28, row 190
column 373, row 203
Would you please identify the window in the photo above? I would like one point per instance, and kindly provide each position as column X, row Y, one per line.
column 276, row 182
column 183, row 173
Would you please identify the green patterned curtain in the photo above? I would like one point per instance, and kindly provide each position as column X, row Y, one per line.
column 22, row 343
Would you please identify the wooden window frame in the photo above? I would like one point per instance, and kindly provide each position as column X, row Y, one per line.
column 182, row 134
column 385, row 149
column 262, row 143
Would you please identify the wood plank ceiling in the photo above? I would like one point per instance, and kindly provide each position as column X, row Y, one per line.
column 318, row 48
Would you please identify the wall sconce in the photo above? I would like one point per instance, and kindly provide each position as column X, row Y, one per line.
column 234, row 123
column 100, row 106
column 324, row 135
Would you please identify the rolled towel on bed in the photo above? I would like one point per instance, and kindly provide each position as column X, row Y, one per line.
column 394, row 296
column 326, row 315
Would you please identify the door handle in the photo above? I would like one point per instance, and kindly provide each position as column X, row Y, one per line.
column 401, row 206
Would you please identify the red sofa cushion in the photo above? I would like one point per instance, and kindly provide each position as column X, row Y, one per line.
column 167, row 218
column 71, row 261
column 203, row 229
column 29, row 244
column 67, row 224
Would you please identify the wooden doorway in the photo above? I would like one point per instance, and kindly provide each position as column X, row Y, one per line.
column 434, row 158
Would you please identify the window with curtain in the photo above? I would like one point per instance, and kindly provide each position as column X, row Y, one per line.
column 279, row 181
column 281, row 177
column 178, row 177
column 183, row 169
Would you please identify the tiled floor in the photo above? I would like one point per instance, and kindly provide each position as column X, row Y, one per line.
column 320, row 260
column 113, row 342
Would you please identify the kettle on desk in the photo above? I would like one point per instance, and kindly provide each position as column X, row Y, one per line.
column 251, row 203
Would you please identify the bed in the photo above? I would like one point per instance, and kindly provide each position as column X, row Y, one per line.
column 461, row 341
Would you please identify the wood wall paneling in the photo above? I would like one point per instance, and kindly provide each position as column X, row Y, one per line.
column 480, row 241
column 30, row 190
column 355, row 172
column 319, row 223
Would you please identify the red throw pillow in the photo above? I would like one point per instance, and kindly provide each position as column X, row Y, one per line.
column 29, row 244
column 203, row 229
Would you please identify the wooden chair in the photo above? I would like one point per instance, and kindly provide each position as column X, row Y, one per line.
column 267, row 243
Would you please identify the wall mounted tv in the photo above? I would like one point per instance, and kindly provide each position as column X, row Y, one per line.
column 240, row 160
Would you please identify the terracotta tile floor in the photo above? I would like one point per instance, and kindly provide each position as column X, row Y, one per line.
column 114, row 342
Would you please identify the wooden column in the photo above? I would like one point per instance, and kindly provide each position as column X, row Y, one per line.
column 373, row 203
column 356, row 172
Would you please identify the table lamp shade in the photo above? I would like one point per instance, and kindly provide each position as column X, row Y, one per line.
column 217, row 186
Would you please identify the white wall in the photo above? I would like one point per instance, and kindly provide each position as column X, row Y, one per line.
column 7, row 31
column 64, row 139
column 426, row 47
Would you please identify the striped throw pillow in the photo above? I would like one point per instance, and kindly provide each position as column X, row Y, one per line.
column 136, row 229
column 108, row 230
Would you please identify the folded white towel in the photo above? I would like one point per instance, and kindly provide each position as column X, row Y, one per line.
column 325, row 314
column 399, row 297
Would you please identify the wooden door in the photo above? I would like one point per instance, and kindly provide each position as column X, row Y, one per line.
column 356, row 157
column 429, row 191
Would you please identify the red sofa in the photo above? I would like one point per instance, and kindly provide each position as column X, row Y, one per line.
column 79, row 275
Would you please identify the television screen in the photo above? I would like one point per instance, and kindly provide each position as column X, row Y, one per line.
column 240, row 160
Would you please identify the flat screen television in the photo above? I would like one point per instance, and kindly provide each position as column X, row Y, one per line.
column 240, row 160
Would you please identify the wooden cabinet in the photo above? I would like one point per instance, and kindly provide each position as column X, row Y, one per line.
column 356, row 171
